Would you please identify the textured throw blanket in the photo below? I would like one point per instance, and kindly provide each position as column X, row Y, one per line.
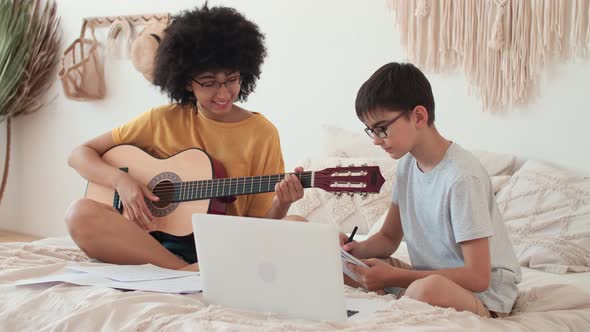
column 544, row 304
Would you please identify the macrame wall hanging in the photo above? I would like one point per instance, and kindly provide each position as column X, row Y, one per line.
column 501, row 45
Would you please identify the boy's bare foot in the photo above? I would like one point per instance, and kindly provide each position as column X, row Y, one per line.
column 191, row 267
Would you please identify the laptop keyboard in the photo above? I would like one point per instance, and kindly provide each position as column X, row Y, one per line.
column 351, row 312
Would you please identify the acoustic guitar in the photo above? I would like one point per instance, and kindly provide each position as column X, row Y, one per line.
column 192, row 182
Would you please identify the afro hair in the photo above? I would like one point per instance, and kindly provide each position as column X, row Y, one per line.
column 208, row 39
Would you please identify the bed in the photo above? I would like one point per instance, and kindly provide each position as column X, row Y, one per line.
column 546, row 210
column 547, row 302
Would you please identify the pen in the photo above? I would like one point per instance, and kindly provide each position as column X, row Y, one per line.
column 352, row 234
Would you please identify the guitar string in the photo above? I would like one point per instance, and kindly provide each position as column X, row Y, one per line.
column 305, row 176
column 221, row 182
column 206, row 187
column 203, row 187
column 208, row 194
column 214, row 185
column 259, row 180
column 207, row 190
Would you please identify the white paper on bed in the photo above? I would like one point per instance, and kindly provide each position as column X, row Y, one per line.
column 176, row 285
column 129, row 273
column 348, row 258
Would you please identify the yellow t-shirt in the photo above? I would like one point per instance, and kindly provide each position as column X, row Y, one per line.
column 247, row 148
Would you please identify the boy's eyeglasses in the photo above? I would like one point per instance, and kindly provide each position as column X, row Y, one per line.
column 213, row 86
column 381, row 131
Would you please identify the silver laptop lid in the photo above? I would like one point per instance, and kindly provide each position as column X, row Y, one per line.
column 286, row 267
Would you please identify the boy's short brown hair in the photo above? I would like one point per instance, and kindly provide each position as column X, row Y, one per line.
column 396, row 87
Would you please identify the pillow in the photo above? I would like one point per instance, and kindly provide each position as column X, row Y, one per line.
column 496, row 163
column 547, row 215
column 346, row 143
column 499, row 181
column 346, row 211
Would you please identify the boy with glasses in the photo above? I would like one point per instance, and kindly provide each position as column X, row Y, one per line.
column 208, row 59
column 443, row 206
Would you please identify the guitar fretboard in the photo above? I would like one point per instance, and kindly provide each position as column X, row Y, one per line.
column 224, row 187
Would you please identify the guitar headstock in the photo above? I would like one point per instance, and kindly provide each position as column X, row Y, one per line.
column 351, row 180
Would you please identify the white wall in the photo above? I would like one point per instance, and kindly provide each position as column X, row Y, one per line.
column 319, row 54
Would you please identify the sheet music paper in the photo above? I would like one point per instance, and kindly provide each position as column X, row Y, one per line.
column 159, row 282
column 348, row 258
column 130, row 272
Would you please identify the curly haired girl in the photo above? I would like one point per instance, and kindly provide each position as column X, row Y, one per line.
column 209, row 59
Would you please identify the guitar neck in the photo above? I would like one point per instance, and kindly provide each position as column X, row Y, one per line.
column 224, row 187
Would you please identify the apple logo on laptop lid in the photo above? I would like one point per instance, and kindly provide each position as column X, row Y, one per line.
column 267, row 272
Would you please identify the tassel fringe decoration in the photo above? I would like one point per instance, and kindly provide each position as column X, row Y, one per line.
column 501, row 45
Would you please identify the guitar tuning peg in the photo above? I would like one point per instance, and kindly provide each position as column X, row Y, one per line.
column 351, row 165
column 364, row 195
column 364, row 164
column 351, row 193
column 338, row 194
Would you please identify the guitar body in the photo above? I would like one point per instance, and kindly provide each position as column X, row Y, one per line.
column 189, row 165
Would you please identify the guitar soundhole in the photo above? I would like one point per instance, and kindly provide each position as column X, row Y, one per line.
column 163, row 186
column 162, row 190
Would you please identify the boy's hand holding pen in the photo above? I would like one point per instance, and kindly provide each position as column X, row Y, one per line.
column 347, row 243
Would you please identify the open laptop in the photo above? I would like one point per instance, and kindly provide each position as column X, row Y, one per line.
column 286, row 267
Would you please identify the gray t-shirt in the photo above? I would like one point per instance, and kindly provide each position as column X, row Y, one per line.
column 452, row 203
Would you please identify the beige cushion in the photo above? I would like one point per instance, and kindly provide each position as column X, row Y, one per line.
column 547, row 214
column 346, row 143
column 497, row 164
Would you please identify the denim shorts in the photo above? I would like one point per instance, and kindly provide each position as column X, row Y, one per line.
column 181, row 246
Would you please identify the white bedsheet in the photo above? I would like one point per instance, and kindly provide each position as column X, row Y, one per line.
column 547, row 302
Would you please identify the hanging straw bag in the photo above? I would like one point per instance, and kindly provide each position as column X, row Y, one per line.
column 81, row 71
